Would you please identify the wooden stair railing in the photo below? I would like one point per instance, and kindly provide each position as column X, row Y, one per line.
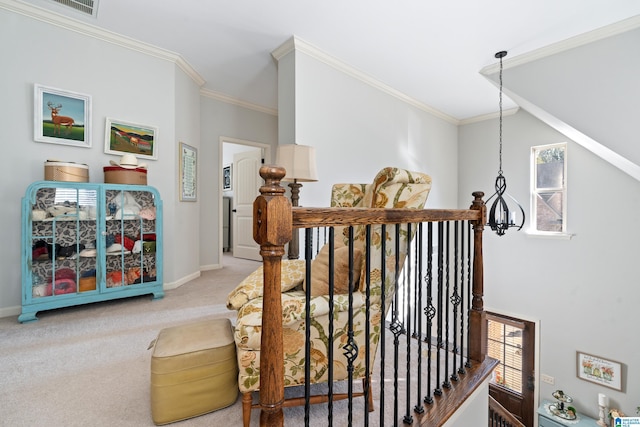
column 274, row 221
column 271, row 230
column 444, row 407
column 500, row 417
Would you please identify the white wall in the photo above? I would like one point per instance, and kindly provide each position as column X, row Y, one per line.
column 593, row 88
column 358, row 129
column 475, row 408
column 222, row 119
column 583, row 291
column 124, row 84
column 182, row 250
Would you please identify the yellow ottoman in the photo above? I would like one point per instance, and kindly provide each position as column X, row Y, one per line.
column 194, row 370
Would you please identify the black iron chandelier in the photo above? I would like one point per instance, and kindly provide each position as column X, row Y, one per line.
column 501, row 218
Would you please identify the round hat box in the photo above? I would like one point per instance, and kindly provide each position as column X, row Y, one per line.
column 118, row 175
column 66, row 171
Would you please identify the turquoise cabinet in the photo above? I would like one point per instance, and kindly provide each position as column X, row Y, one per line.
column 547, row 419
column 84, row 243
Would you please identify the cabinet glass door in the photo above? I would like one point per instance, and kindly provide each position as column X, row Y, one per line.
column 130, row 238
column 63, row 237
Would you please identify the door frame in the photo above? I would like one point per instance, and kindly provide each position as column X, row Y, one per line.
column 536, row 352
column 266, row 151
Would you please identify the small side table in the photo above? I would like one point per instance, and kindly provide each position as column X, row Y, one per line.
column 547, row 419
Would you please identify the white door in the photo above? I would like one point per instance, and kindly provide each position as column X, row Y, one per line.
column 246, row 185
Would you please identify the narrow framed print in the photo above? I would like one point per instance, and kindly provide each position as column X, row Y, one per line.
column 188, row 158
column 599, row 370
column 226, row 178
column 122, row 137
column 61, row 117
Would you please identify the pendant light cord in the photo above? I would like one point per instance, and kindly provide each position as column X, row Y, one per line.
column 500, row 55
column 500, row 217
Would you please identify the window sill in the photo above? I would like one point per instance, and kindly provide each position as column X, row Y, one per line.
column 541, row 235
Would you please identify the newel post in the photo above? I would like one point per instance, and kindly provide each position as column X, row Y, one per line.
column 272, row 227
column 477, row 317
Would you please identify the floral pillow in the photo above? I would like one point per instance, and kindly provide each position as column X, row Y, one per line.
column 320, row 270
column 251, row 287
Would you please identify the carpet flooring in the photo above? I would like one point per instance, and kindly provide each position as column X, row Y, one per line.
column 90, row 365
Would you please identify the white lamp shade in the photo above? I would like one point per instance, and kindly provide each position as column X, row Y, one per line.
column 299, row 161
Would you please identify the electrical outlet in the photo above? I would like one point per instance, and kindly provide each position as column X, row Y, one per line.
column 547, row 379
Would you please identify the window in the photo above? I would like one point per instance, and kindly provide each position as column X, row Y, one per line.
column 505, row 345
column 549, row 188
column 511, row 341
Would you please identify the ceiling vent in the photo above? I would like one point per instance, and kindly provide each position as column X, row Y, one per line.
column 90, row 7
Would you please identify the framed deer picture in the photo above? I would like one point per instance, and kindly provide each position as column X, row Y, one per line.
column 125, row 137
column 61, row 117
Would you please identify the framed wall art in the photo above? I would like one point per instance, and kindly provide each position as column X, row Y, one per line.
column 61, row 117
column 599, row 370
column 188, row 173
column 226, row 178
column 123, row 137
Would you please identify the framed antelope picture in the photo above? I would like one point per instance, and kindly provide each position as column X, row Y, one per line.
column 125, row 137
column 61, row 117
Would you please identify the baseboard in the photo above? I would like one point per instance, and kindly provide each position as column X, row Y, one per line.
column 10, row 311
column 172, row 285
column 16, row 310
column 210, row 267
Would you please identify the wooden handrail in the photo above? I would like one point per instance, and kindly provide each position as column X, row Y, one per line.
column 496, row 408
column 274, row 221
column 335, row 217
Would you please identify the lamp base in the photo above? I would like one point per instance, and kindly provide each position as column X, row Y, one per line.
column 601, row 422
column 294, row 251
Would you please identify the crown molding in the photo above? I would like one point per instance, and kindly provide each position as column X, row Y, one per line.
column 72, row 24
column 564, row 45
column 489, row 116
column 208, row 93
column 190, row 71
column 286, row 47
column 297, row 44
column 75, row 25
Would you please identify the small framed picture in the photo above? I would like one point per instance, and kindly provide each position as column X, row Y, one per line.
column 188, row 173
column 123, row 137
column 226, row 178
column 61, row 117
column 599, row 370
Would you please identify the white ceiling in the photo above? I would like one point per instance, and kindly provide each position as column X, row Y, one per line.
column 430, row 50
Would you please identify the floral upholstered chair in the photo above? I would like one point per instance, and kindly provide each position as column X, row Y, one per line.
column 391, row 188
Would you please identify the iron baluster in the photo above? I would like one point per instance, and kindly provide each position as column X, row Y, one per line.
column 438, row 390
column 396, row 325
column 408, row 419
column 429, row 310
column 330, row 350
column 419, row 408
column 307, row 330
column 455, row 298
column 383, row 304
column 446, row 383
column 350, row 348
column 469, row 284
column 461, row 369
column 367, row 382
